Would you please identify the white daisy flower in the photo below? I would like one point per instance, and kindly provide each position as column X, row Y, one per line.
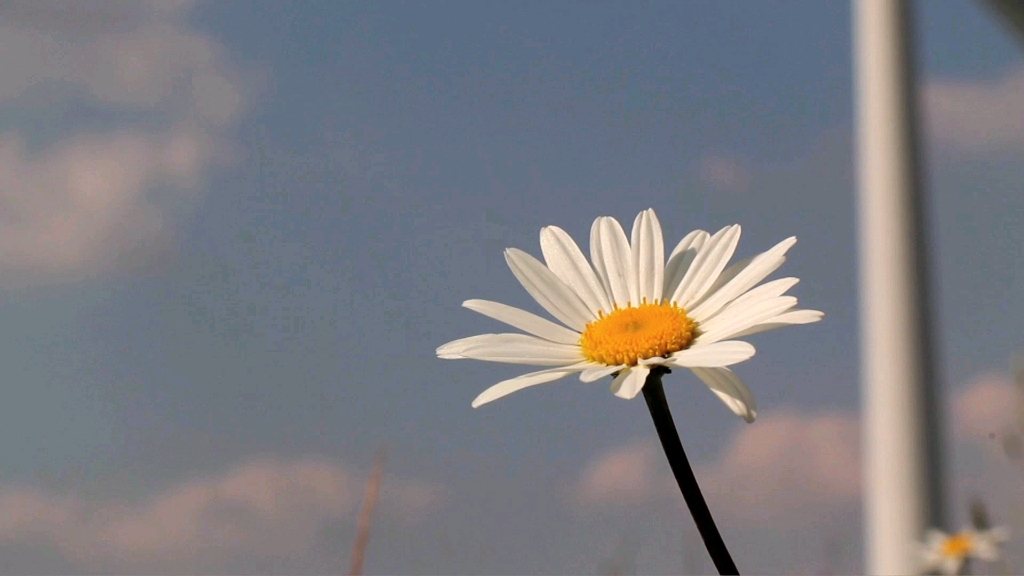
column 633, row 310
column 947, row 552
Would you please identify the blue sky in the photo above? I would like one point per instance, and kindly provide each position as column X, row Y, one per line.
column 232, row 235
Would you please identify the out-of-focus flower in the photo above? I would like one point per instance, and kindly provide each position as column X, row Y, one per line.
column 947, row 552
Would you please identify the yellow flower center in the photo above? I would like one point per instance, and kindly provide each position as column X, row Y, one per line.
column 630, row 334
column 957, row 545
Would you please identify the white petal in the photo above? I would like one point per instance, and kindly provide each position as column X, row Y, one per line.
column 934, row 538
column 737, row 318
column 766, row 291
column 728, row 274
column 746, row 278
column 655, row 361
column 455, row 347
column 610, row 252
column 526, row 321
column 715, row 355
column 648, row 253
column 998, row 534
column 951, row 565
column 518, row 355
column 772, row 289
column 512, row 349
column 453, row 350
column 550, row 292
column 930, row 561
column 506, row 387
column 681, row 258
column 630, row 382
column 985, row 550
column 707, row 265
column 599, row 371
column 730, row 389
column 565, row 259
column 789, row 318
column 931, row 552
column 986, row 543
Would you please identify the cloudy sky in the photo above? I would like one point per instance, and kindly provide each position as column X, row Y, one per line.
column 232, row 235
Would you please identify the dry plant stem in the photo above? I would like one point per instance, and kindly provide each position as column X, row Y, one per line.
column 369, row 502
column 654, row 394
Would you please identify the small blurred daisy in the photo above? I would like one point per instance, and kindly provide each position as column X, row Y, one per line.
column 947, row 552
column 634, row 311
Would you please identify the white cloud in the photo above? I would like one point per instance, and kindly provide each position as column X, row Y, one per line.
column 976, row 115
column 724, row 173
column 267, row 507
column 989, row 404
column 80, row 204
column 790, row 468
column 987, row 416
column 83, row 202
column 785, row 467
column 627, row 474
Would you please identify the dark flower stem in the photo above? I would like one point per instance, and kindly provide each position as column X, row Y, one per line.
column 654, row 394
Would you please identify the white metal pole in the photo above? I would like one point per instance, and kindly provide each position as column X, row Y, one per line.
column 902, row 471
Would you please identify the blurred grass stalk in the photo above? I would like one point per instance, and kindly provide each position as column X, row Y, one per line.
column 369, row 502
